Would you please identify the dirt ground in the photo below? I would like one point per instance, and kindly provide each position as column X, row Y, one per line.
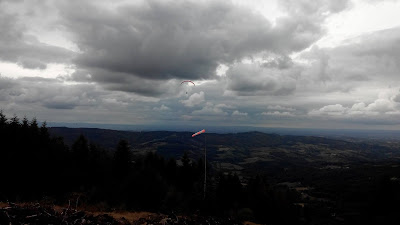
column 120, row 217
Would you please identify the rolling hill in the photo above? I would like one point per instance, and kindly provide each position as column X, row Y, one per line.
column 251, row 150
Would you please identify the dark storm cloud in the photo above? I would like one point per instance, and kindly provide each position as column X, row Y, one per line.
column 24, row 49
column 349, row 81
column 30, row 90
column 161, row 40
column 59, row 105
column 367, row 66
column 304, row 23
column 372, row 45
column 119, row 81
column 131, row 58
column 396, row 98
column 296, row 32
column 55, row 100
column 373, row 57
column 6, row 83
column 249, row 79
column 54, row 94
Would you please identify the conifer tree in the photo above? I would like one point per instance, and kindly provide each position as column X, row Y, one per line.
column 25, row 123
column 34, row 125
column 80, row 160
column 3, row 119
column 80, row 149
column 14, row 123
column 44, row 132
column 122, row 159
column 185, row 161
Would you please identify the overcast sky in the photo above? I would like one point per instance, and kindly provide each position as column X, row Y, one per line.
column 276, row 63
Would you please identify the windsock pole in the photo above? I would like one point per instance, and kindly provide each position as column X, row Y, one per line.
column 205, row 167
column 205, row 160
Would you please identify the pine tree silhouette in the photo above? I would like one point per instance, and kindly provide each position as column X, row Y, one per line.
column 122, row 159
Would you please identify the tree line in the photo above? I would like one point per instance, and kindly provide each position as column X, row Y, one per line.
column 36, row 165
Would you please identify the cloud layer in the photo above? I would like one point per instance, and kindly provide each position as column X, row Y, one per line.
column 126, row 62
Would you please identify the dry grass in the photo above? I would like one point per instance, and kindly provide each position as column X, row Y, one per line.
column 118, row 215
column 250, row 223
column 130, row 216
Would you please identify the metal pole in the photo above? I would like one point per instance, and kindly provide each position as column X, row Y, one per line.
column 205, row 167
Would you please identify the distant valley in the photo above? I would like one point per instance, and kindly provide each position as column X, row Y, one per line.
column 246, row 152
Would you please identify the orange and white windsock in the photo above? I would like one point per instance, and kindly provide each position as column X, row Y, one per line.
column 200, row 132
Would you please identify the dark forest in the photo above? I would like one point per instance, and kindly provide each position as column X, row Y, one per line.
column 37, row 166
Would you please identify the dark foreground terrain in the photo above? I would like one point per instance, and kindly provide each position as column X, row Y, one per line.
column 36, row 214
column 253, row 176
column 335, row 181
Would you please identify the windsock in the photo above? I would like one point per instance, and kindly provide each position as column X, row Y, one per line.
column 200, row 132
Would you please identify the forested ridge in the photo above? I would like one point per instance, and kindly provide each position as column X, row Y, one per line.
column 37, row 166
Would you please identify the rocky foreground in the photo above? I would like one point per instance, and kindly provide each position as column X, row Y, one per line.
column 33, row 214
